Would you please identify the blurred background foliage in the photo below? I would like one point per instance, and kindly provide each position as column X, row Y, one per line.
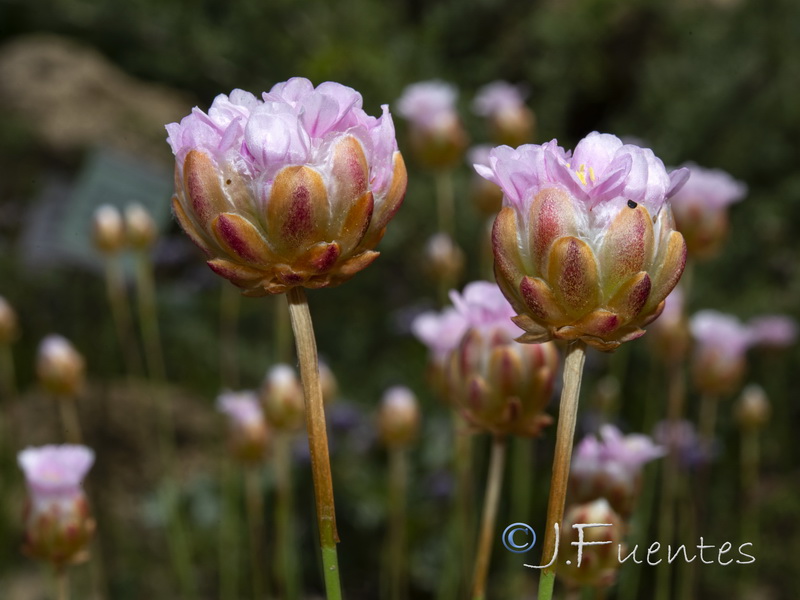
column 714, row 82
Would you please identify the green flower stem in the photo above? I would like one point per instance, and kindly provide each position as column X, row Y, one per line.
column 285, row 551
column 69, row 419
column 522, row 459
column 396, row 555
column 282, row 332
column 228, row 532
column 230, row 302
column 255, row 526
column 121, row 313
column 749, row 463
column 62, row 583
column 148, row 317
column 317, row 438
column 567, row 418
column 494, row 484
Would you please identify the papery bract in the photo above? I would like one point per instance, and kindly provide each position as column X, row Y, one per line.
column 510, row 121
column 58, row 522
column 294, row 189
column 585, row 246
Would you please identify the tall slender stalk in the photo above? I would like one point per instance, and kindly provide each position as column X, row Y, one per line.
column 8, row 380
column 62, row 583
column 285, row 555
column 396, row 543
column 317, row 438
column 749, row 464
column 445, row 202
column 255, row 526
column 69, row 419
column 228, row 533
column 120, row 312
column 567, row 418
column 521, row 488
column 494, row 484
column 148, row 316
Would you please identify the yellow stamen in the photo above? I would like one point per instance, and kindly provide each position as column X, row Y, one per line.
column 581, row 175
column 591, row 174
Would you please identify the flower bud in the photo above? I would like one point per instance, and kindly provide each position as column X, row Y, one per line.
column 248, row 433
column 701, row 209
column 8, row 323
column 610, row 467
column 585, row 246
column 58, row 522
column 327, row 380
column 510, row 121
column 501, row 387
column 108, row 229
column 398, row 417
column 719, row 360
column 598, row 564
column 140, row 227
column 59, row 366
column 669, row 334
column 436, row 135
column 753, row 409
column 444, row 260
column 282, row 397
column 292, row 190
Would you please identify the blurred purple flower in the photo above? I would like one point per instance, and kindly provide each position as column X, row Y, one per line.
column 243, row 408
column 773, row 331
column 55, row 473
column 483, row 306
column 708, row 189
column 681, row 438
column 429, row 104
column 497, row 97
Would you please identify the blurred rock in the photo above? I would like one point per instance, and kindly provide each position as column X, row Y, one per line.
column 74, row 98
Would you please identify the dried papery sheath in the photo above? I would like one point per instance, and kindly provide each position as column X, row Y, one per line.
column 585, row 246
column 293, row 189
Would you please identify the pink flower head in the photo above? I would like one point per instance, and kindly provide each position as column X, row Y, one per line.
column 439, row 331
column 243, row 408
column 498, row 97
column 610, row 465
column 773, row 331
column 482, row 306
column 720, row 333
column 681, row 438
column 602, row 173
column 708, row 189
column 55, row 473
column 585, row 247
column 292, row 189
column 429, row 104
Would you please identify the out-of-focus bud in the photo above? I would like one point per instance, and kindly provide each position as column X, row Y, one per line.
column 282, row 398
column 58, row 522
column 502, row 387
column 510, row 121
column 294, row 189
column 753, row 409
column 60, row 367
column 701, row 209
column 444, row 260
column 719, row 360
column 108, row 229
column 140, row 227
column 398, row 417
column 585, row 246
column 249, row 436
column 610, row 467
column 437, row 137
column 440, row 332
column 669, row 334
column 487, row 195
column 584, row 564
column 327, row 380
column 8, row 322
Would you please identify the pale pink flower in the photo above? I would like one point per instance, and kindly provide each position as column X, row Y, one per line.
column 54, row 474
column 773, row 331
column 429, row 104
column 708, row 189
column 439, row 331
column 249, row 435
column 719, row 359
column 498, row 97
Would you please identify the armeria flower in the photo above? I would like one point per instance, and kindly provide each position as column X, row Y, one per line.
column 140, row 228
column 436, row 134
column 60, row 367
column 295, row 189
column 772, row 331
column 487, row 195
column 701, row 208
column 501, row 387
column 108, row 229
column 753, row 409
column 443, row 259
column 610, row 467
column 58, row 522
column 720, row 353
column 398, row 417
column 249, row 435
column 511, row 122
column 585, row 246
column 282, row 398
column 599, row 561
